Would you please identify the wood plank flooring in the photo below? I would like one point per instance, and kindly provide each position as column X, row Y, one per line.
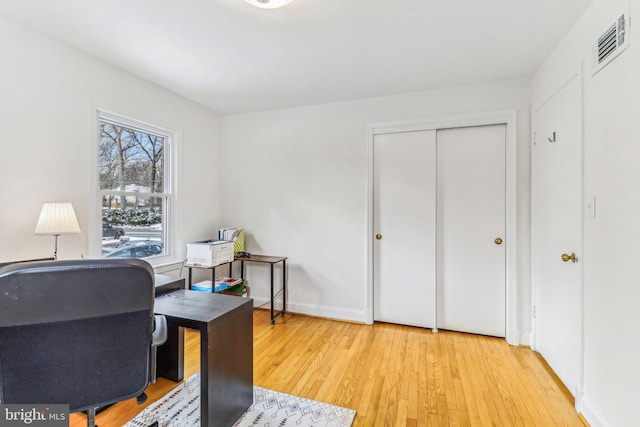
column 391, row 375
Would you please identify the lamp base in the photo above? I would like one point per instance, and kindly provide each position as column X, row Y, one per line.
column 55, row 249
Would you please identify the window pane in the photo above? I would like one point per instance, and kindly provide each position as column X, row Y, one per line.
column 135, row 196
column 130, row 160
column 132, row 226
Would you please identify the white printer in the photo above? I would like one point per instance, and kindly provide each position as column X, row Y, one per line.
column 209, row 253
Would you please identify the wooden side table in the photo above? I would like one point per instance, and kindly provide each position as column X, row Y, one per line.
column 268, row 259
column 272, row 260
column 213, row 271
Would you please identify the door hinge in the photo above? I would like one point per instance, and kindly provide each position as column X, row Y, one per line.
column 533, row 137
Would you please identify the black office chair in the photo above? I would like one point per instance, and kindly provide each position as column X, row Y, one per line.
column 77, row 332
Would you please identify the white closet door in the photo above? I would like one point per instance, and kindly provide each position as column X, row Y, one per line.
column 404, row 219
column 556, row 210
column 471, row 216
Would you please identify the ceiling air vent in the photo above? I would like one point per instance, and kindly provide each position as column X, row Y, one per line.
column 611, row 43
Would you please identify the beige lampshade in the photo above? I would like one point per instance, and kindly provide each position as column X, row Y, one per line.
column 56, row 219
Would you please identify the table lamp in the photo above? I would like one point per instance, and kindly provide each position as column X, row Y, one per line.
column 57, row 219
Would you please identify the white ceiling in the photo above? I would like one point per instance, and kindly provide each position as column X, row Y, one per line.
column 232, row 57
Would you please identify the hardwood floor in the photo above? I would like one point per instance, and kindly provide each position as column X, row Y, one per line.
column 391, row 375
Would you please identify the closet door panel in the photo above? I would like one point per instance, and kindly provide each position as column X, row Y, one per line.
column 404, row 220
column 471, row 242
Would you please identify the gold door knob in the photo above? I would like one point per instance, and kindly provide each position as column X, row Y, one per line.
column 498, row 241
column 567, row 258
column 378, row 236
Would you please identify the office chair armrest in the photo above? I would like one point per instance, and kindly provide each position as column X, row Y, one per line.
column 158, row 338
column 160, row 330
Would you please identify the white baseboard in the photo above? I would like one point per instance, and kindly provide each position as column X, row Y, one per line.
column 579, row 397
column 368, row 315
column 315, row 310
column 525, row 339
column 513, row 337
column 590, row 415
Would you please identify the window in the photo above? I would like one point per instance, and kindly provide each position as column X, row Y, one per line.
column 135, row 191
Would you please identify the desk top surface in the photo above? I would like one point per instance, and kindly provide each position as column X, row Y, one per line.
column 271, row 259
column 197, row 306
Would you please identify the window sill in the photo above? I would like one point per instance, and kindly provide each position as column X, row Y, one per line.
column 161, row 267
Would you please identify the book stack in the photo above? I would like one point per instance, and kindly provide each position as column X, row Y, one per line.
column 240, row 290
column 224, row 283
column 221, row 285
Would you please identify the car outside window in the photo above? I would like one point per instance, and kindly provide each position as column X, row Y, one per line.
column 146, row 251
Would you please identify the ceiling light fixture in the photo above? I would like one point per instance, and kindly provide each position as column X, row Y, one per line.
column 268, row 4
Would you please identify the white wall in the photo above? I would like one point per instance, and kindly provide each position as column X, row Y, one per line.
column 48, row 97
column 611, row 173
column 296, row 179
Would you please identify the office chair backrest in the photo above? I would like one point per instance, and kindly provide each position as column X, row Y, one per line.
column 75, row 332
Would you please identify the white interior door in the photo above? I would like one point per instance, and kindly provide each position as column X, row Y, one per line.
column 471, row 287
column 404, row 220
column 556, row 181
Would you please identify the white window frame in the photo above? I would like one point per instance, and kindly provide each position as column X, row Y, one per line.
column 170, row 192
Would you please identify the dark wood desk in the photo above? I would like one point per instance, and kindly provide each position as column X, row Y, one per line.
column 3, row 264
column 165, row 284
column 226, row 350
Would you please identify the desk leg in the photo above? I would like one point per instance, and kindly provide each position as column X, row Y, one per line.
column 190, row 278
column 226, row 368
column 284, row 287
column 170, row 355
column 273, row 319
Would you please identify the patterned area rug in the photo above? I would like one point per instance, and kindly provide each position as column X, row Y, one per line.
column 181, row 407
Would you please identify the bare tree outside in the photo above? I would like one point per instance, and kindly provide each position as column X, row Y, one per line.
column 132, row 182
